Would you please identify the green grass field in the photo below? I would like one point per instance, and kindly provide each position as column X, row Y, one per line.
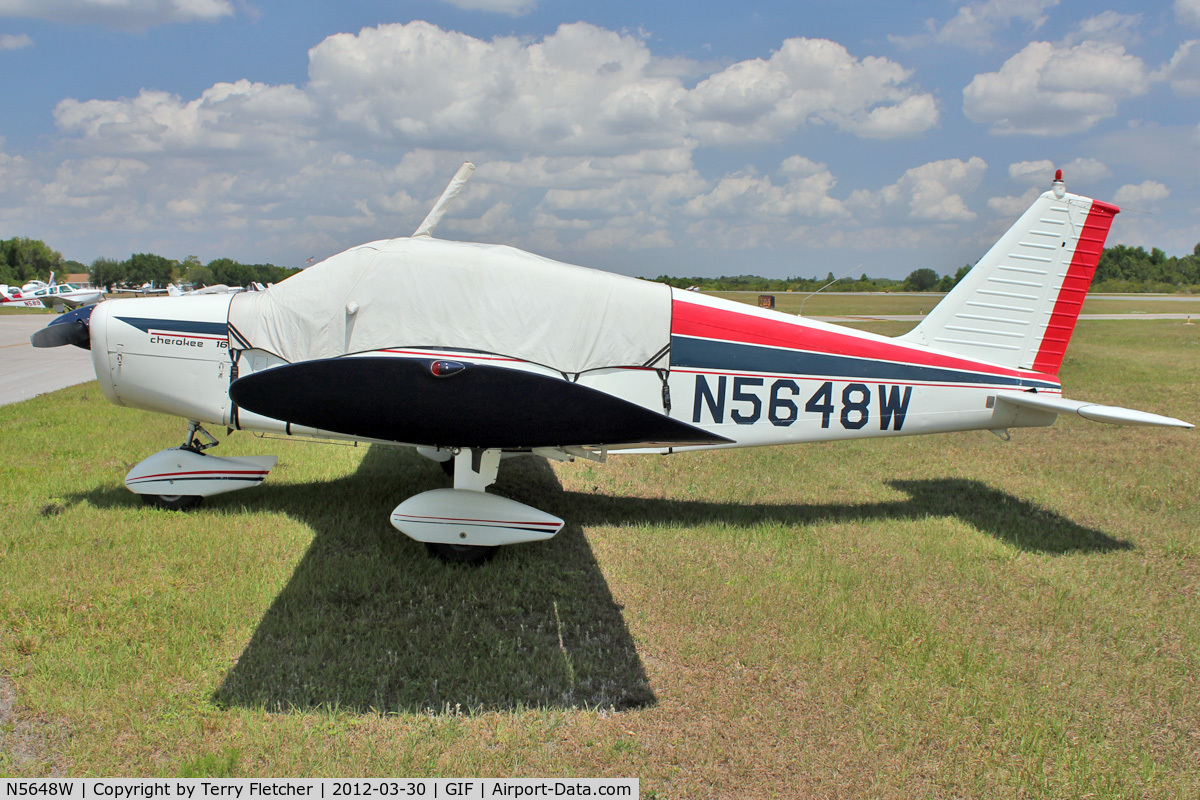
column 909, row 303
column 21, row 310
column 948, row 616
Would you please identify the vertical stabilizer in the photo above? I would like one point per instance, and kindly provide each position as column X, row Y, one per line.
column 1019, row 304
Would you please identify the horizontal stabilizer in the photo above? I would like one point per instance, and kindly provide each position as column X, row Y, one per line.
column 1092, row 411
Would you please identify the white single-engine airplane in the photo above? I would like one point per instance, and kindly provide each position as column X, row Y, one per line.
column 58, row 295
column 471, row 352
column 174, row 290
column 51, row 295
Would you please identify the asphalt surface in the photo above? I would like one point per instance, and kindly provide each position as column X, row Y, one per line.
column 26, row 371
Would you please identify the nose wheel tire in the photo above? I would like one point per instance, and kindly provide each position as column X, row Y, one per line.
column 172, row 502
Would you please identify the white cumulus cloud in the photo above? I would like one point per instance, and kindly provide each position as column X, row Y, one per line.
column 1188, row 12
column 243, row 116
column 1142, row 195
column 1107, row 26
column 976, row 24
column 804, row 193
column 582, row 89
column 808, row 81
column 514, row 8
column 1077, row 174
column 1183, row 70
column 1049, row 89
column 930, row 192
column 1040, row 173
column 120, row 14
column 15, row 41
column 584, row 138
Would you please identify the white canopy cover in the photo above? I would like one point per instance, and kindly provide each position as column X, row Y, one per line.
column 425, row 292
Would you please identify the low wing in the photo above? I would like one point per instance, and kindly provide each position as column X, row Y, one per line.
column 1093, row 411
column 467, row 405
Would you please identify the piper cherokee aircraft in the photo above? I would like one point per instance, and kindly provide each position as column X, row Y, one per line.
column 472, row 352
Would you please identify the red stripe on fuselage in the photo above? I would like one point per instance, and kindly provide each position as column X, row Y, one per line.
column 889, row 381
column 1075, row 286
column 731, row 325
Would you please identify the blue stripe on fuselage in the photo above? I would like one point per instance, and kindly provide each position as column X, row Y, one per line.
column 711, row 354
column 176, row 325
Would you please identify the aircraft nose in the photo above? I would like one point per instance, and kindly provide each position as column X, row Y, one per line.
column 70, row 328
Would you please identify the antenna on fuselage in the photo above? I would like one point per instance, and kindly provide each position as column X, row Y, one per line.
column 439, row 208
column 800, row 313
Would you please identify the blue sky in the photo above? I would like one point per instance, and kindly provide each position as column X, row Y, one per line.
column 777, row 138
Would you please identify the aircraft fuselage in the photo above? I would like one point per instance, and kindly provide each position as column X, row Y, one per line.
column 747, row 375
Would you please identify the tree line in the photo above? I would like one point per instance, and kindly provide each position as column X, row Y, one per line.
column 919, row 280
column 142, row 268
column 23, row 260
column 1132, row 269
column 1121, row 269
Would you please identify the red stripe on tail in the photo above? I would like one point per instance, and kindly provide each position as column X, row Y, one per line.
column 1075, row 287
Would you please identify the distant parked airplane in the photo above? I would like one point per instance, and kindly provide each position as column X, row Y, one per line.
column 50, row 295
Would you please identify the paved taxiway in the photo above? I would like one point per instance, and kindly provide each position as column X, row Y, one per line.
column 26, row 371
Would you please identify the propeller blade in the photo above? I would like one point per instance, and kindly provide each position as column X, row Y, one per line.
column 70, row 328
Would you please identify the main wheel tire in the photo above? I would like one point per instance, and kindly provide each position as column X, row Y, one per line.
column 447, row 467
column 172, row 502
column 472, row 554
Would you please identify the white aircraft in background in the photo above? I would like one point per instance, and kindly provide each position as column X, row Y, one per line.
column 149, row 289
column 58, row 295
column 35, row 284
column 50, row 295
column 175, row 290
column 473, row 352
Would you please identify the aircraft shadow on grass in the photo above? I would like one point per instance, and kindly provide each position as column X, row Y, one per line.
column 368, row 622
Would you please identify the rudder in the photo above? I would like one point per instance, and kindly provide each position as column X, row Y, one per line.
column 1018, row 305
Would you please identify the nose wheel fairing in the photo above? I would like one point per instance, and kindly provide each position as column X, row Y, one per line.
column 179, row 471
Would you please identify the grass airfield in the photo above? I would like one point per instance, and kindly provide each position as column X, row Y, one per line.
column 851, row 304
column 946, row 616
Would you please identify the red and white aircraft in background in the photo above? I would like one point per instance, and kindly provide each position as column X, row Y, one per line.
column 40, row 294
column 13, row 297
column 472, row 352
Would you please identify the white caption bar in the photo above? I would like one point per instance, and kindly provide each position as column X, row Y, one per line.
column 318, row 789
